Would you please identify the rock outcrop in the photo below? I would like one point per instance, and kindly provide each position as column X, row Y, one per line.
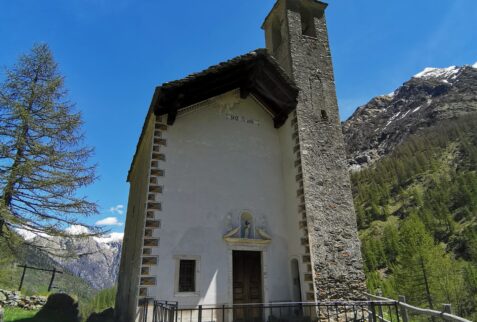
column 433, row 95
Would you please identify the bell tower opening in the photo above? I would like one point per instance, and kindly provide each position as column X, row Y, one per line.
column 307, row 22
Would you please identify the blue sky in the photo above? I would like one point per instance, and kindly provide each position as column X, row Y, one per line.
column 114, row 52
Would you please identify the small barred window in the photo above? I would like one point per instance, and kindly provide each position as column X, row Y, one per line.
column 187, row 276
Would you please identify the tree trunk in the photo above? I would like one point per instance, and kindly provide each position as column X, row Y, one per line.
column 7, row 194
column 426, row 283
column 20, row 146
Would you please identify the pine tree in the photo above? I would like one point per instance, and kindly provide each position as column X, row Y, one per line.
column 416, row 262
column 391, row 242
column 42, row 158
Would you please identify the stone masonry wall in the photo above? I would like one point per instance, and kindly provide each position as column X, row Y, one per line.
column 331, row 220
column 16, row 299
column 152, row 224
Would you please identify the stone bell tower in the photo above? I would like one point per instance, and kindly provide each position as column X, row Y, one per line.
column 296, row 35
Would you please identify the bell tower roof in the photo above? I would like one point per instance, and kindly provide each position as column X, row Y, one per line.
column 295, row 4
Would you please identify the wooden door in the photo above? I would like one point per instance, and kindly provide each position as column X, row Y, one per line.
column 247, row 285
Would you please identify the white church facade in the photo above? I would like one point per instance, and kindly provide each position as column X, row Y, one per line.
column 239, row 188
column 227, row 185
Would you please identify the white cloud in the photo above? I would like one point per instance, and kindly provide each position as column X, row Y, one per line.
column 113, row 237
column 119, row 209
column 77, row 230
column 109, row 221
column 475, row 65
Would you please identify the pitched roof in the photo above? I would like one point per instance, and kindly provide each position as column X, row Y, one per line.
column 256, row 73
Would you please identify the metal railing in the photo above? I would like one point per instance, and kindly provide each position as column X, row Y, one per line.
column 410, row 313
column 369, row 311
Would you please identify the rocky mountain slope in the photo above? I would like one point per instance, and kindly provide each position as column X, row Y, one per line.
column 95, row 260
column 417, row 204
column 100, row 264
column 429, row 97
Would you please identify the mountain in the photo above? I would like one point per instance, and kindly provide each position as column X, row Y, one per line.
column 36, row 282
column 415, row 193
column 100, row 264
column 435, row 94
column 94, row 259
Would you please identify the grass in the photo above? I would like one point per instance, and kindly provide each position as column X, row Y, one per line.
column 36, row 282
column 98, row 303
column 101, row 301
column 15, row 314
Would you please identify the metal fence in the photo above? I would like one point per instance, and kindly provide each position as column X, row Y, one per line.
column 411, row 313
column 370, row 311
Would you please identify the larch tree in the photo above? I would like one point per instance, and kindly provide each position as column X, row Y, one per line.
column 425, row 273
column 418, row 264
column 43, row 160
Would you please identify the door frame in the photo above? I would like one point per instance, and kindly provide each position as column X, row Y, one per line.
column 262, row 250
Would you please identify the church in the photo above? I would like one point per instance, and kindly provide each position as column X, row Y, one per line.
column 239, row 188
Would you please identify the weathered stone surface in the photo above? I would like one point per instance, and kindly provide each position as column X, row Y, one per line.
column 331, row 220
column 16, row 299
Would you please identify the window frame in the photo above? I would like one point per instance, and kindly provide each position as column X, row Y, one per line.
column 178, row 260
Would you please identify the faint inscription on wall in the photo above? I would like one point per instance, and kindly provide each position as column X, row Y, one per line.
column 243, row 119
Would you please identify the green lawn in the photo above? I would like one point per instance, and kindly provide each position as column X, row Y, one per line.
column 15, row 314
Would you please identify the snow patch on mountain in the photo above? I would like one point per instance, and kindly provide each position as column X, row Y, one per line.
column 405, row 114
column 26, row 234
column 431, row 72
column 74, row 231
column 417, row 109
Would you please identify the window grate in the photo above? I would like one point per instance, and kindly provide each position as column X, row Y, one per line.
column 187, row 276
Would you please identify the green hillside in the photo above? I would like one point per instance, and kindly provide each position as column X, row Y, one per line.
column 417, row 214
column 36, row 282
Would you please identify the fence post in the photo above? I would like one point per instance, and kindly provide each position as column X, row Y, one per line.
column 52, row 279
column 404, row 315
column 146, row 308
column 172, row 312
column 373, row 312
column 21, row 280
column 1, row 314
column 200, row 313
column 380, row 312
